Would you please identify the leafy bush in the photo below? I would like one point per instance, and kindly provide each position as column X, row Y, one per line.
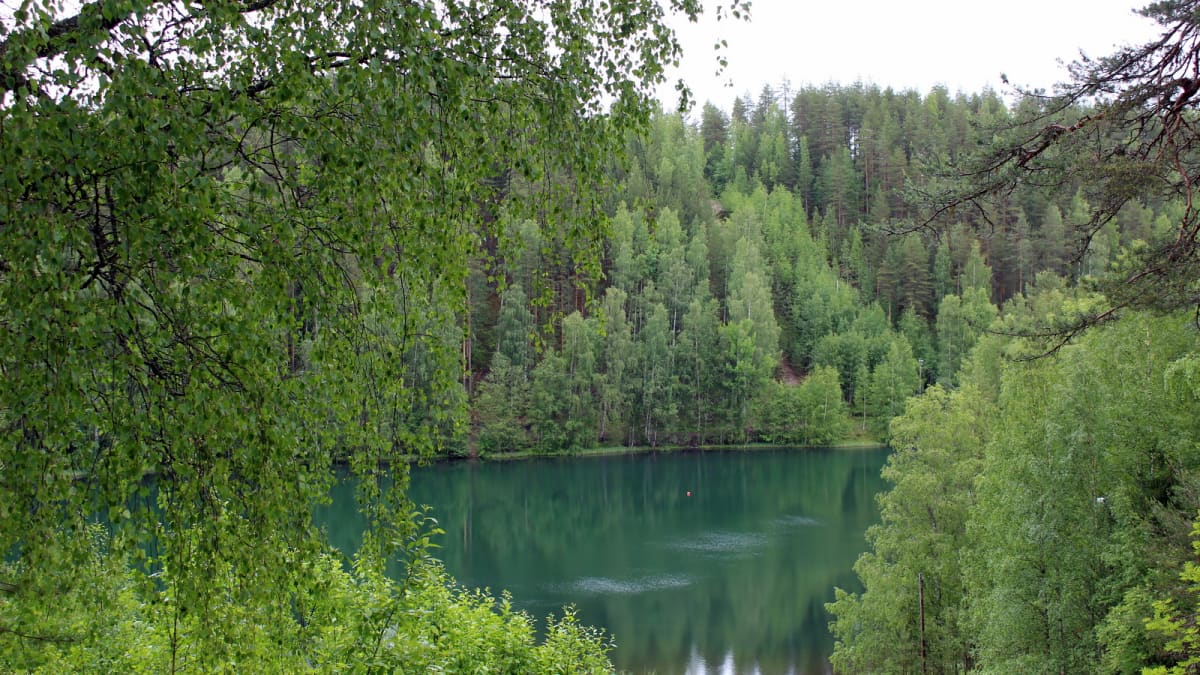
column 117, row 619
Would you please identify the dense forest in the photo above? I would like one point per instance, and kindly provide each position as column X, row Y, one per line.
column 353, row 233
column 1041, row 511
column 1042, row 515
column 763, row 277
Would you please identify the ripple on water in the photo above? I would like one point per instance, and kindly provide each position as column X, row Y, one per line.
column 610, row 586
column 721, row 543
column 795, row 521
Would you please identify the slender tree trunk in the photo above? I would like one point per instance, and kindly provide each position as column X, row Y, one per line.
column 921, row 598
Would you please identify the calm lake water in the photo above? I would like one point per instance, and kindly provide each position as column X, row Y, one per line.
column 731, row 579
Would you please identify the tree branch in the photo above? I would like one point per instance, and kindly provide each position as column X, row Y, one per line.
column 32, row 636
column 101, row 16
column 58, row 37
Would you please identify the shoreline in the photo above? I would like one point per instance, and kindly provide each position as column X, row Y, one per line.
column 617, row 451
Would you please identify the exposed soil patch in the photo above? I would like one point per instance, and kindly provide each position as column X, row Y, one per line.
column 789, row 375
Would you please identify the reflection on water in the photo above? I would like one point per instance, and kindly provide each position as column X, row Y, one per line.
column 717, row 562
column 727, row 665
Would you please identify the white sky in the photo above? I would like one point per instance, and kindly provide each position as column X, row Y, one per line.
column 905, row 44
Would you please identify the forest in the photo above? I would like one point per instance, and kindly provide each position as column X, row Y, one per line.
column 763, row 278
column 354, row 233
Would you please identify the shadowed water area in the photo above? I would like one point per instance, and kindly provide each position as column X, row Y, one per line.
column 731, row 579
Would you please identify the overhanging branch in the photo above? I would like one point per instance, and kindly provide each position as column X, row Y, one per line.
column 100, row 17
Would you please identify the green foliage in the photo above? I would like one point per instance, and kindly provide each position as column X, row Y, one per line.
column 700, row 373
column 548, row 411
column 277, row 275
column 960, row 322
column 714, row 129
column 916, row 330
column 811, row 413
column 904, row 279
column 915, row 566
column 1087, row 479
column 515, row 328
column 237, row 240
column 655, row 404
column 1177, row 624
column 335, row 621
column 615, row 381
column 500, row 406
column 1044, row 504
column 943, row 275
column 976, row 274
column 892, row 381
column 697, row 315
column 1052, row 245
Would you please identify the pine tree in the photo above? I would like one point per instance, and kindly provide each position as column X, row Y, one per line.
column 1051, row 244
column 714, row 130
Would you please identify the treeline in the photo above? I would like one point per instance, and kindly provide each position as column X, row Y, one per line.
column 764, row 278
column 864, row 159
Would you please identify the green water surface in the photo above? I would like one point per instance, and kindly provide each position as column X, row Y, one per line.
column 731, row 579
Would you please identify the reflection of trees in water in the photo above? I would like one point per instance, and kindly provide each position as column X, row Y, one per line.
column 582, row 499
column 761, row 543
column 771, row 607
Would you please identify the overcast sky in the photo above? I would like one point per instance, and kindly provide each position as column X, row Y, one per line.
column 915, row 44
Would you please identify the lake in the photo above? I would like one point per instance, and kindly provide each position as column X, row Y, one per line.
column 696, row 562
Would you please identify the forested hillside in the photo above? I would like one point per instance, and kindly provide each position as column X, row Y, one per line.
column 1042, row 515
column 1041, row 511
column 768, row 272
